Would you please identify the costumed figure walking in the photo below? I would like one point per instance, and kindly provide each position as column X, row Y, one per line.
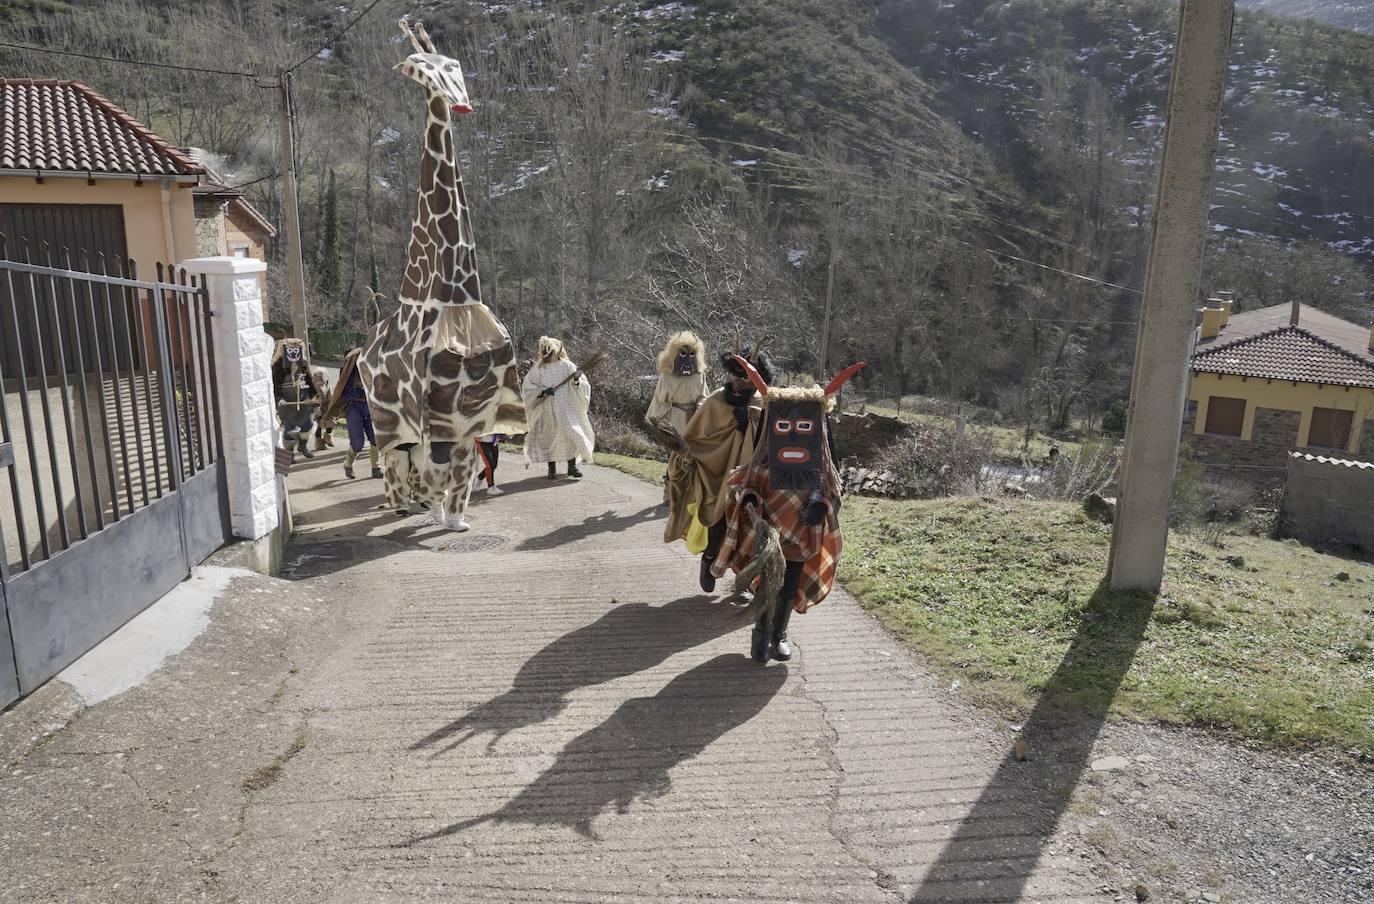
column 297, row 395
column 720, row 437
column 349, row 401
column 324, row 427
column 557, row 397
column 782, row 536
column 679, row 393
column 488, row 456
column 440, row 371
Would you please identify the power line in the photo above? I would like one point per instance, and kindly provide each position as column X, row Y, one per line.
column 107, row 59
column 271, row 175
column 343, row 31
column 1084, row 277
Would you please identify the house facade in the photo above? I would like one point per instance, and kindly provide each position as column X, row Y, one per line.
column 227, row 224
column 1276, row 380
column 78, row 172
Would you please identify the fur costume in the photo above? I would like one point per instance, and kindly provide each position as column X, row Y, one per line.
column 557, row 397
column 721, row 437
column 679, row 393
column 791, row 483
column 324, row 427
column 298, row 397
column 440, row 371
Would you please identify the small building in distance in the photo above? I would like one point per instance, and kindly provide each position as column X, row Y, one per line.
column 1276, row 380
column 227, row 224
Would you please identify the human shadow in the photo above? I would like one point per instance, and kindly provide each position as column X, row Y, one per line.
column 626, row 640
column 606, row 523
column 997, row 846
column 630, row 755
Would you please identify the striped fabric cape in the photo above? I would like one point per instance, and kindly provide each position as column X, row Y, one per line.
column 818, row 546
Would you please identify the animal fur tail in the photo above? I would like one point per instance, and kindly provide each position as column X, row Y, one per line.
column 663, row 433
column 767, row 566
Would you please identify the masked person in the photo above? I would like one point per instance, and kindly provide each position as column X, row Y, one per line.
column 782, row 525
column 297, row 395
column 721, row 436
column 557, row 397
column 324, row 427
column 680, row 390
column 349, row 401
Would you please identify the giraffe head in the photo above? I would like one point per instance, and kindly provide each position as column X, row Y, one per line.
column 434, row 71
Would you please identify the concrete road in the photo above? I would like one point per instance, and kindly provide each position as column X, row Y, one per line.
column 544, row 709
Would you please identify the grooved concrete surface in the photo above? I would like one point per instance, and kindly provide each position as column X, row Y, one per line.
column 544, row 709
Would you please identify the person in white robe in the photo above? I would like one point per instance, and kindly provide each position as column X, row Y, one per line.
column 557, row 398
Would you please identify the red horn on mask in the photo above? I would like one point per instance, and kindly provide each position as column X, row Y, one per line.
column 754, row 376
column 843, row 376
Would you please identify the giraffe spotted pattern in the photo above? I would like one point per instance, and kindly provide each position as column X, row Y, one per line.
column 441, row 370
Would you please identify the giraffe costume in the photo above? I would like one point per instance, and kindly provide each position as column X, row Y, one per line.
column 441, row 370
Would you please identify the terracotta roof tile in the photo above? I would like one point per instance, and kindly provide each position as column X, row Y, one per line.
column 1287, row 353
column 64, row 126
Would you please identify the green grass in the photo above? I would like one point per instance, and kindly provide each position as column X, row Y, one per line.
column 995, row 592
column 643, row 468
column 1275, row 651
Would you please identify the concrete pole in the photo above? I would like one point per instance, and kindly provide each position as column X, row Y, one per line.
column 291, row 212
column 1178, row 238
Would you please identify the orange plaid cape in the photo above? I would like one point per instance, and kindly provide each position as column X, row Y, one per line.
column 818, row 546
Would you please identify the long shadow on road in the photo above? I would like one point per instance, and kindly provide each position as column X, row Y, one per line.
column 998, row 844
column 608, row 522
column 630, row 755
column 626, row 640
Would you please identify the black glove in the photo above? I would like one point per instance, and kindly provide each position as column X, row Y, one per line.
column 547, row 392
column 750, row 503
column 814, row 513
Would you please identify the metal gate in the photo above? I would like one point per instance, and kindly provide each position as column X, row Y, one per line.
column 111, row 475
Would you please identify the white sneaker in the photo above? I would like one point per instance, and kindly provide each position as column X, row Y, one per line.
column 495, row 491
column 459, row 526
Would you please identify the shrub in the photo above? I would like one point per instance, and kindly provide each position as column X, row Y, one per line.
column 1114, row 421
column 936, row 459
column 1092, row 470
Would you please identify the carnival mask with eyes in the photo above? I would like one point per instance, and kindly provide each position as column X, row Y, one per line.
column 685, row 365
column 292, row 353
column 796, row 444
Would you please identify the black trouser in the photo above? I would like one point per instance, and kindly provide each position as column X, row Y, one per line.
column 780, row 612
column 491, row 454
column 715, row 538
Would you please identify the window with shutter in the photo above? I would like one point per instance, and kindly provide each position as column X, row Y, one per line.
column 1330, row 428
column 1225, row 417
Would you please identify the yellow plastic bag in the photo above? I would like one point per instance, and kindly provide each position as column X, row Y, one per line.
column 696, row 538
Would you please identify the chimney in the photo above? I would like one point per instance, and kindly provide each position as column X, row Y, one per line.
column 1293, row 316
column 1211, row 319
column 1228, row 301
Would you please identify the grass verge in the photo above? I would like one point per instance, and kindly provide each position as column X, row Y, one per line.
column 1259, row 638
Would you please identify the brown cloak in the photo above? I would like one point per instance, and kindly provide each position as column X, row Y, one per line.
column 718, row 447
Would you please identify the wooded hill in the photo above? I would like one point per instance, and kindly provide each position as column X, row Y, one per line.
column 638, row 167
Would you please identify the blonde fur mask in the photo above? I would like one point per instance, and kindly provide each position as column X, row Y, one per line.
column 551, row 350
column 682, row 343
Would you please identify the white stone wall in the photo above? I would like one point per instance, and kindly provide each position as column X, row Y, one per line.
column 243, row 355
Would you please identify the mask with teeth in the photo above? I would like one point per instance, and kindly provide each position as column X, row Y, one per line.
column 796, row 443
column 685, row 364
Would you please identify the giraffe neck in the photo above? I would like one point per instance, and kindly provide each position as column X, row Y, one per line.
column 442, row 265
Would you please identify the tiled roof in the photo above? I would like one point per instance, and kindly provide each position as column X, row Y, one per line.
column 64, row 126
column 1287, row 353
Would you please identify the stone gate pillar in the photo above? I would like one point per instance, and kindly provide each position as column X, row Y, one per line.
column 243, row 373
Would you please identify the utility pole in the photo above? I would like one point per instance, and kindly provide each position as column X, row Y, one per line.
column 829, row 296
column 286, row 162
column 1177, row 240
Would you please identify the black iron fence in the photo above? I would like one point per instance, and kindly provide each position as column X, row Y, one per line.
column 109, row 395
